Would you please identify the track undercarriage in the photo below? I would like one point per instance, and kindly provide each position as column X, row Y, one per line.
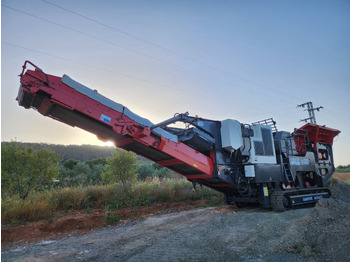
column 297, row 198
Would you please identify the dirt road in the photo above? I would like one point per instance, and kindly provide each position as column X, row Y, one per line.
column 212, row 234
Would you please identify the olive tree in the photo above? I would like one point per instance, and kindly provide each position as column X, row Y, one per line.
column 24, row 169
column 120, row 167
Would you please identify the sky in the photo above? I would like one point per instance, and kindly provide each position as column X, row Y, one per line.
column 244, row 60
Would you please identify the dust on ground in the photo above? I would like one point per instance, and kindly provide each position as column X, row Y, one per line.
column 211, row 234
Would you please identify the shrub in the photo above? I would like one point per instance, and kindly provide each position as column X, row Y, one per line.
column 76, row 173
column 343, row 169
column 35, row 207
column 24, row 169
column 71, row 198
column 154, row 170
column 120, row 167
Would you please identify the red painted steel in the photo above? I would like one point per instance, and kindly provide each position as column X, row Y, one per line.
column 316, row 134
column 37, row 84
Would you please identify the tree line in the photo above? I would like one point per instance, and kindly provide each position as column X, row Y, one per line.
column 79, row 152
column 343, row 169
column 27, row 168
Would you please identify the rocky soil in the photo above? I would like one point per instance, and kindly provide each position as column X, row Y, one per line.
column 210, row 234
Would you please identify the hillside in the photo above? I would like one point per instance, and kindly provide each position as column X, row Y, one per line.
column 80, row 152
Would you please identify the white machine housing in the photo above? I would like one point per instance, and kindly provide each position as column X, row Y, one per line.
column 262, row 146
column 231, row 135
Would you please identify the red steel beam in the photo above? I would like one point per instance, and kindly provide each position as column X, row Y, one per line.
column 37, row 83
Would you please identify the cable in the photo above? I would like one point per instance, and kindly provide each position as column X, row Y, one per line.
column 108, row 42
column 288, row 109
column 171, row 51
column 142, row 54
column 125, row 33
column 343, row 119
column 110, row 71
column 89, row 35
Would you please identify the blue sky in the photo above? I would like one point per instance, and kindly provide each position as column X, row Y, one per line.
column 245, row 60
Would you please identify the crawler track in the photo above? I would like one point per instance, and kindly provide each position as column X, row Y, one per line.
column 297, row 198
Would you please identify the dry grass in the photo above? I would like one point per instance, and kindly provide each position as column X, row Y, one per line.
column 43, row 205
column 35, row 207
column 343, row 177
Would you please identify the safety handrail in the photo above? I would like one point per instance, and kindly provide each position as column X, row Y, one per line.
column 36, row 68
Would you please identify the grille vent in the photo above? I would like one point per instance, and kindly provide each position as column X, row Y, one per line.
column 264, row 148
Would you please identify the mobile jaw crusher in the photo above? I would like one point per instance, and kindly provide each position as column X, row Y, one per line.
column 248, row 163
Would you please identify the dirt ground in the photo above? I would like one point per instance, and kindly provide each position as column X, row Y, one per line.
column 82, row 222
column 185, row 233
column 342, row 176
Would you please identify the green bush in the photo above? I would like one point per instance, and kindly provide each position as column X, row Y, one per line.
column 343, row 169
column 76, row 173
column 111, row 218
column 120, row 167
column 153, row 170
column 24, row 169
